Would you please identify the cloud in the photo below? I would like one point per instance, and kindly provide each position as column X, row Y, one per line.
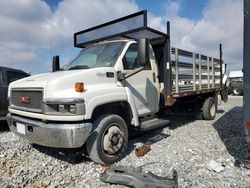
column 22, row 33
column 72, row 16
column 221, row 22
column 29, row 28
column 31, row 11
column 24, row 22
column 172, row 8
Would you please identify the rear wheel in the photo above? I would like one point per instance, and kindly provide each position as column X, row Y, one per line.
column 209, row 108
column 237, row 91
column 108, row 141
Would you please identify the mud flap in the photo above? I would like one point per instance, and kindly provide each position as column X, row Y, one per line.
column 224, row 94
column 134, row 177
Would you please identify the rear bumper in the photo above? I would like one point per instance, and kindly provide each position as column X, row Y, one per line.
column 60, row 135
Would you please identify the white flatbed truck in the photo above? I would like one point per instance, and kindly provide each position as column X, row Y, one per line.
column 125, row 77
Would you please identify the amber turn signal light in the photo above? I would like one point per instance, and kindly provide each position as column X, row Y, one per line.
column 79, row 87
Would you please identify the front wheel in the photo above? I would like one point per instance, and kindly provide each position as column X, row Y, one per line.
column 108, row 140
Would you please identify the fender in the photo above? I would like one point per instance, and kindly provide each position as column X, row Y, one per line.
column 131, row 102
column 109, row 98
column 103, row 99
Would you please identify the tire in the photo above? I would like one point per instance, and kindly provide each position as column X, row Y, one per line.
column 209, row 108
column 237, row 91
column 108, row 140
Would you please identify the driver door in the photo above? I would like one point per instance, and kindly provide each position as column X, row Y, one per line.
column 143, row 85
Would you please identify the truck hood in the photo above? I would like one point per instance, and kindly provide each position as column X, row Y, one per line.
column 65, row 80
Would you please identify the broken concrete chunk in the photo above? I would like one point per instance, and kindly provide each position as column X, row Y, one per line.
column 213, row 165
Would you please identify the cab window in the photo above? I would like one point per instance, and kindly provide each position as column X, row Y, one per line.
column 130, row 58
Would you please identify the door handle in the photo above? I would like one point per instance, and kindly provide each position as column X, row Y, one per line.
column 154, row 77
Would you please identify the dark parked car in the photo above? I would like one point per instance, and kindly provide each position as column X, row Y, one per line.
column 7, row 75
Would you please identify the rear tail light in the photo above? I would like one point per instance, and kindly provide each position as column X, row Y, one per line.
column 247, row 124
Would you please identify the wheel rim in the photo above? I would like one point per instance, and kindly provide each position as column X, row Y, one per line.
column 236, row 91
column 212, row 110
column 112, row 140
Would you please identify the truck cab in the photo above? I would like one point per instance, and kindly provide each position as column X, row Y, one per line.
column 122, row 79
column 52, row 99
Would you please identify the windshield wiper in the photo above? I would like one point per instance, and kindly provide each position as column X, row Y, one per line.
column 79, row 67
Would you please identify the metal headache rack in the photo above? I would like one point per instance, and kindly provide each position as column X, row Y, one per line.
column 182, row 72
column 133, row 26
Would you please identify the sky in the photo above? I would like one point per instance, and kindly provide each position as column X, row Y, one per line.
column 32, row 31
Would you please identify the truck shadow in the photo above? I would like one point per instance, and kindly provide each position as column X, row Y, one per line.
column 158, row 134
column 147, row 137
column 4, row 126
column 231, row 130
column 78, row 155
column 177, row 119
column 181, row 119
column 72, row 156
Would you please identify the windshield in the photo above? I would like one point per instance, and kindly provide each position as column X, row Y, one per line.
column 98, row 55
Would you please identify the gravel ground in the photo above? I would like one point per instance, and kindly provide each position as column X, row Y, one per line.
column 204, row 153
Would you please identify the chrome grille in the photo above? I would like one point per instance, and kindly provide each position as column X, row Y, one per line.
column 33, row 103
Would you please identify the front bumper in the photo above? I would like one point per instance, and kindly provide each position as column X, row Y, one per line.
column 60, row 135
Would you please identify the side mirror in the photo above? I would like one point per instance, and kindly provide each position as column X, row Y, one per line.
column 55, row 63
column 120, row 76
column 143, row 52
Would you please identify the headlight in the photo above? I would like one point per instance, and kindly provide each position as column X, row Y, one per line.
column 72, row 108
column 64, row 107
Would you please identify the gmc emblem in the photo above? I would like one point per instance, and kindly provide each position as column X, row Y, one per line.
column 24, row 99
